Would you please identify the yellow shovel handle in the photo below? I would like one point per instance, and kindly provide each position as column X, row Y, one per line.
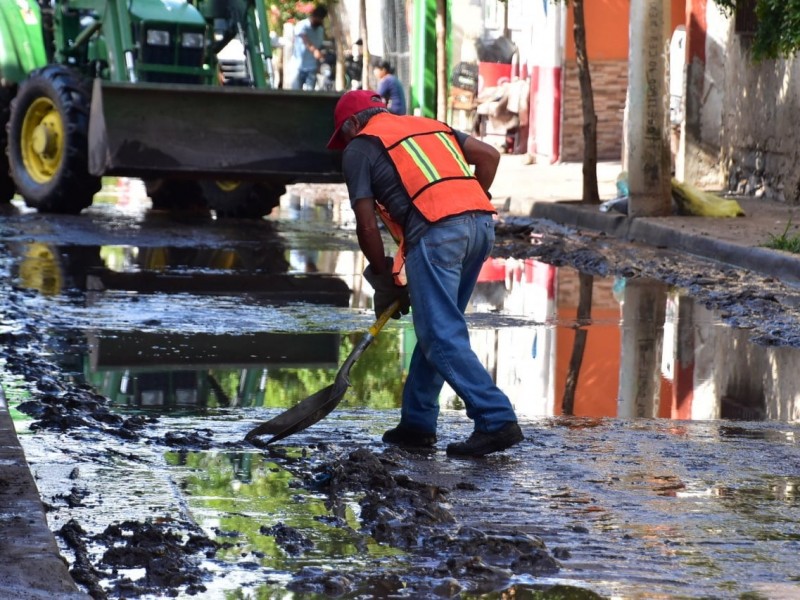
column 385, row 316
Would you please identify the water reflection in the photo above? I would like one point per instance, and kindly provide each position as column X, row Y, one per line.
column 260, row 370
column 259, row 268
column 173, row 371
column 246, row 500
column 153, row 366
column 576, row 345
column 644, row 350
column 648, row 504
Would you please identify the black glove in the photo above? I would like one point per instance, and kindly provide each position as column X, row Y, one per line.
column 386, row 291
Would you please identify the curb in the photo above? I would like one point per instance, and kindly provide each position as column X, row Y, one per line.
column 32, row 568
column 654, row 231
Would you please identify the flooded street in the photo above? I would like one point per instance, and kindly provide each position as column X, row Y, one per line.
column 661, row 456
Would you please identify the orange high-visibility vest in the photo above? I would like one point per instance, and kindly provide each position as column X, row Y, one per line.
column 432, row 169
column 430, row 165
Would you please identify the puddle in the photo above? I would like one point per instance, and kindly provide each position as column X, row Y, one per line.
column 661, row 453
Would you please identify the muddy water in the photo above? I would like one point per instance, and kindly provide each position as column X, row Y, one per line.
column 661, row 456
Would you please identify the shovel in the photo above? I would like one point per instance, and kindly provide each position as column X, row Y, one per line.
column 317, row 406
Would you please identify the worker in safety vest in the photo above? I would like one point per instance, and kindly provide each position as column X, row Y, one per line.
column 415, row 173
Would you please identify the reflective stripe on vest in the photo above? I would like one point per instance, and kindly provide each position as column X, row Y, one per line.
column 430, row 165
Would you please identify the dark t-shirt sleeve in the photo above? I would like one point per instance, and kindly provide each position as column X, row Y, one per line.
column 461, row 137
column 356, row 167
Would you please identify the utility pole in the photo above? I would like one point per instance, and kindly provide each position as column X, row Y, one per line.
column 643, row 310
column 647, row 151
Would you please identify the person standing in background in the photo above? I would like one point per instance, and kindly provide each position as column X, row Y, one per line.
column 354, row 63
column 390, row 88
column 307, row 48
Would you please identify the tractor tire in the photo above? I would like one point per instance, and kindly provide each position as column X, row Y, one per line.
column 241, row 199
column 178, row 195
column 48, row 141
column 7, row 186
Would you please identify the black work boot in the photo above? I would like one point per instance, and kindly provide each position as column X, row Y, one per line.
column 409, row 437
column 481, row 443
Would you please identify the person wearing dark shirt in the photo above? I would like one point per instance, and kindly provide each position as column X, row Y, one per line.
column 390, row 88
column 416, row 174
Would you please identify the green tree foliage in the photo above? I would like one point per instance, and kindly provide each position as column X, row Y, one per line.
column 376, row 379
column 778, row 31
column 244, row 494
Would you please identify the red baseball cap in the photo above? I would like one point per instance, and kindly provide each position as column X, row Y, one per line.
column 349, row 104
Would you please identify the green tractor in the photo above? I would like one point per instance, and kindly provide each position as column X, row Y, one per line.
column 134, row 88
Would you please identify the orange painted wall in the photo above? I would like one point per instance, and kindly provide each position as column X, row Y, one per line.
column 607, row 28
column 598, row 383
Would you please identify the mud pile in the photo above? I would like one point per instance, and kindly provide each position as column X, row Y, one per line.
column 767, row 307
column 163, row 550
column 413, row 516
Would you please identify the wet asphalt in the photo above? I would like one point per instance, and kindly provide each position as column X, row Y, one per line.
column 628, row 507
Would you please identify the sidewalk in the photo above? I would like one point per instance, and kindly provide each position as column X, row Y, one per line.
column 553, row 192
column 518, row 186
column 32, row 568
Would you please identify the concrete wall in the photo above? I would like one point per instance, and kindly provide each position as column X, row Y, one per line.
column 761, row 122
column 467, row 27
column 544, row 63
column 699, row 161
column 742, row 124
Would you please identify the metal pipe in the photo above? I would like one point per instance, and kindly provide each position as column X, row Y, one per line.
column 266, row 43
column 84, row 36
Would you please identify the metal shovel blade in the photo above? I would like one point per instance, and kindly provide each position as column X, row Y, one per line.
column 304, row 414
column 319, row 405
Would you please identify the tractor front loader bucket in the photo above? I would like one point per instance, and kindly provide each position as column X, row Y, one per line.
column 151, row 131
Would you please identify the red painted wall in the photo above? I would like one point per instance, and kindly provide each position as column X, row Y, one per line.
column 696, row 27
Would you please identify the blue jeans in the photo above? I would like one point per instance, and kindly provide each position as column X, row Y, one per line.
column 306, row 79
column 442, row 268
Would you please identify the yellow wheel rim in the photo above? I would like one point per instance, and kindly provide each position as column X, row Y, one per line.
column 39, row 270
column 227, row 185
column 42, row 140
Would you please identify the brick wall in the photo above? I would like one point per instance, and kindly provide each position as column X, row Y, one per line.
column 610, row 86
